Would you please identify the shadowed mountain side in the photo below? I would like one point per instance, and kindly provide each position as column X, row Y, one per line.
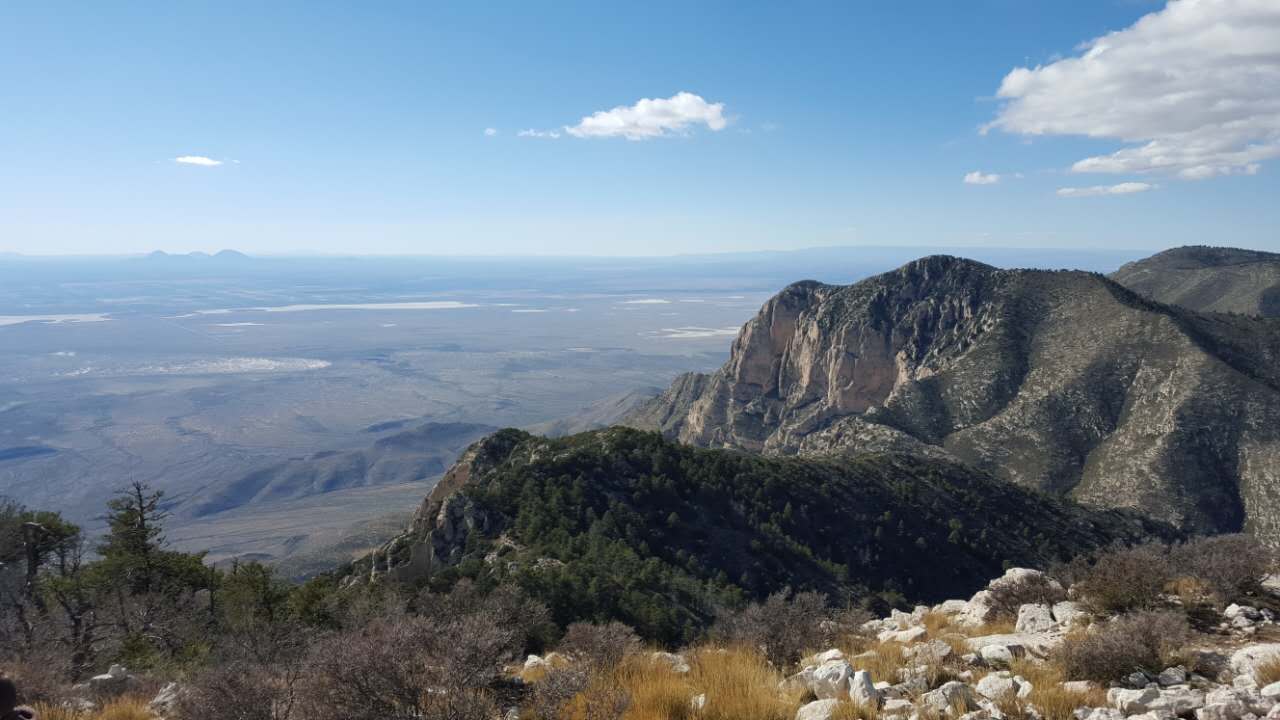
column 624, row 524
column 1208, row 279
column 1064, row 382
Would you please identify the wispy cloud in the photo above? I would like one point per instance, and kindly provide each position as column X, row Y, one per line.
column 531, row 133
column 1128, row 188
column 197, row 160
column 490, row 132
column 1193, row 89
column 652, row 118
column 980, row 178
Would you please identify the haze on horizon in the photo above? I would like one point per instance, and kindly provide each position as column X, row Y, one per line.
column 576, row 129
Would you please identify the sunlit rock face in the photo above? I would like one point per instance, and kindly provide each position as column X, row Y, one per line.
column 1062, row 381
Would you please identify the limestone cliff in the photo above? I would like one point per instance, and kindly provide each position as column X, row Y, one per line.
column 1060, row 381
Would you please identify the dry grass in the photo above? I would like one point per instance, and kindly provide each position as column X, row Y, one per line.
column 1047, row 693
column 855, row 711
column 936, row 623
column 126, row 708
column 889, row 659
column 738, row 683
column 1267, row 671
column 57, row 712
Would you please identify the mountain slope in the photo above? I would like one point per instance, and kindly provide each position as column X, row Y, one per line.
column 1059, row 381
column 413, row 455
column 623, row 524
column 1208, row 279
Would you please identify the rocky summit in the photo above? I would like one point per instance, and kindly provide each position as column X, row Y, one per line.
column 1065, row 382
column 1208, row 279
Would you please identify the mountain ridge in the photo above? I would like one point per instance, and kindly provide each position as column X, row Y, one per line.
column 1064, row 381
column 1208, row 279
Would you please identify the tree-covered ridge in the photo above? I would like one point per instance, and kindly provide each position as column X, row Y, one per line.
column 622, row 524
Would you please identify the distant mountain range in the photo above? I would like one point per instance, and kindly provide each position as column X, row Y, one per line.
column 1064, row 382
column 415, row 455
column 1208, row 279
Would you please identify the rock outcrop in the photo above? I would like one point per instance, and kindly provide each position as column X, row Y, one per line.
column 1064, row 382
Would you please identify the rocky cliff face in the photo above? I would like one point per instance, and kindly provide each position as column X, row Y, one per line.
column 1060, row 381
column 1208, row 279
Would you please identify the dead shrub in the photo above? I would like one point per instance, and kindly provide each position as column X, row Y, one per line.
column 1146, row 641
column 1231, row 567
column 601, row 647
column 1121, row 580
column 241, row 690
column 1007, row 597
column 551, row 694
column 784, row 627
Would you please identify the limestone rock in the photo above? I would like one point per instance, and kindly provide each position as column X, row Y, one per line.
column 1244, row 660
column 1035, row 618
column 831, row 679
column 1132, row 702
column 818, row 710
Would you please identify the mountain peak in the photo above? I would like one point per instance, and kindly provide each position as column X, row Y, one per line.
column 1059, row 381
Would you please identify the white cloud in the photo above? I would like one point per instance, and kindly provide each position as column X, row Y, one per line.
column 550, row 134
column 980, row 178
column 1127, row 188
column 197, row 160
column 1193, row 89
column 490, row 132
column 651, row 118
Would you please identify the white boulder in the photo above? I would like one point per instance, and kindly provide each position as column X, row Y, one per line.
column 1244, row 660
column 831, row 679
column 1035, row 618
column 818, row 710
column 951, row 695
column 862, row 691
column 1132, row 702
column 903, row 637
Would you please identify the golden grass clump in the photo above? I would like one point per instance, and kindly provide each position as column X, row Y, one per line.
column 889, row 659
column 57, row 712
column 125, row 709
column 738, row 683
column 1052, row 700
column 1267, row 671
column 856, row 711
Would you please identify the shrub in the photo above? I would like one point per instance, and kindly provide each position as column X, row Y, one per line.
column 1140, row 641
column 552, row 693
column 783, row 627
column 1121, row 580
column 413, row 667
column 240, row 690
column 1231, row 567
column 601, row 647
column 1008, row 596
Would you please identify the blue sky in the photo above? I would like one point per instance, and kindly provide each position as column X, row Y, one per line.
column 360, row 127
